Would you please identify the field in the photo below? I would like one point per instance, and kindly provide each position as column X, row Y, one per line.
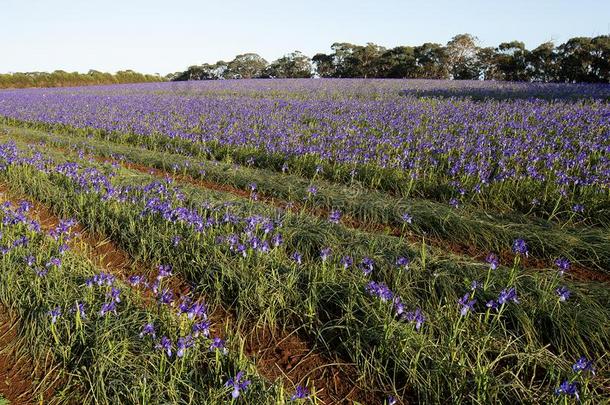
column 306, row 241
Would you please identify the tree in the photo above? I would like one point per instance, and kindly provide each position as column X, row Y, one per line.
column 398, row 62
column 430, row 61
column 292, row 65
column 246, row 66
column 461, row 57
column 601, row 58
column 324, row 65
column 576, row 60
column 486, row 60
column 543, row 62
column 512, row 61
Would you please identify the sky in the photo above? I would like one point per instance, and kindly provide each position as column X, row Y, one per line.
column 153, row 36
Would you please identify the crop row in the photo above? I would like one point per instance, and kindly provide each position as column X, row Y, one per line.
column 463, row 227
column 523, row 155
column 411, row 320
column 113, row 340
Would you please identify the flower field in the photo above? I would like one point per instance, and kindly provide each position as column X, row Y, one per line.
column 306, row 241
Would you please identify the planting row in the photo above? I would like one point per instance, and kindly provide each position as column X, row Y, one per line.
column 409, row 319
column 523, row 155
column 114, row 340
column 458, row 227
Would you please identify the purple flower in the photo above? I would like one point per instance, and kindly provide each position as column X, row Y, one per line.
column 218, row 344
column 148, row 330
column 297, row 258
column 380, row 290
column 54, row 262
column 114, row 294
column 135, row 280
column 183, row 344
column 578, row 208
column 277, row 240
column 196, row 310
column 582, row 364
column 80, row 309
column 237, row 385
column 108, row 307
column 30, row 260
column 563, row 264
column 366, row 265
column 392, row 400
column 325, row 253
column 334, row 217
column 520, row 247
column 492, row 259
column 563, row 293
column 165, row 270
column 347, row 262
column 467, row 304
column 55, row 313
column 312, row 190
column 509, row 295
column 417, row 317
column 475, row 285
column 166, row 296
column 403, row 262
column 165, row 344
column 176, row 240
column 301, row 393
column 454, row 202
column 492, row 304
column 202, row 328
column 568, row 389
column 406, row 218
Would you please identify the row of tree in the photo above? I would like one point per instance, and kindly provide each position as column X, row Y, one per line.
column 61, row 78
column 578, row 60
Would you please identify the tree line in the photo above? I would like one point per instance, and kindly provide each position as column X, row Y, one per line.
column 578, row 60
column 60, row 78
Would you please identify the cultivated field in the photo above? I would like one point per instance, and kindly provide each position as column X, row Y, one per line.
column 323, row 241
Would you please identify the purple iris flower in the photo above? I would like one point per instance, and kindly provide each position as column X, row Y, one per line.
column 300, row 393
column 148, row 330
column 416, row 317
column 366, row 265
column 334, row 217
column 218, row 344
column 237, row 385
column 406, row 218
column 55, row 313
column 563, row 293
column 582, row 364
column 493, row 261
column 403, row 262
column 165, row 344
column 568, row 389
column 325, row 253
column 520, row 247
column 183, row 344
column 508, row 295
column 467, row 304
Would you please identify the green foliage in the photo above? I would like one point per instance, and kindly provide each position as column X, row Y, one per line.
column 578, row 60
column 60, row 78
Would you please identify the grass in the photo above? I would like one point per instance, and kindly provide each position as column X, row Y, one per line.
column 102, row 358
column 518, row 352
column 467, row 227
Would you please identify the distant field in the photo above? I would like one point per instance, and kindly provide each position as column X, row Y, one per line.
column 332, row 241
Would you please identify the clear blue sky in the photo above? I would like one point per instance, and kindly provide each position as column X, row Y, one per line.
column 166, row 36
